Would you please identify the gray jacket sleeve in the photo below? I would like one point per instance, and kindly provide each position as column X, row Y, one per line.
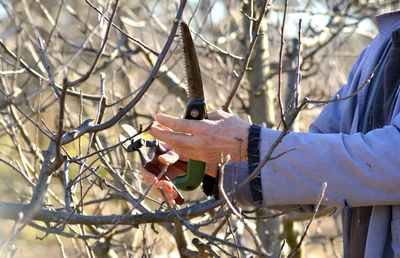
column 234, row 175
column 360, row 169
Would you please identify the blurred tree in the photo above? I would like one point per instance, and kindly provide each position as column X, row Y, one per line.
column 72, row 71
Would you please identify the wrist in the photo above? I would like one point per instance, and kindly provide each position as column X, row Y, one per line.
column 243, row 138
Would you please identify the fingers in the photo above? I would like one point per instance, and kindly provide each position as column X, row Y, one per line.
column 168, row 190
column 148, row 177
column 168, row 158
column 204, row 140
column 179, row 132
column 171, row 138
column 167, row 187
column 164, row 147
column 174, row 123
column 189, row 126
column 182, row 125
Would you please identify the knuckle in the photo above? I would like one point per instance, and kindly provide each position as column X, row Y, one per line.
column 192, row 126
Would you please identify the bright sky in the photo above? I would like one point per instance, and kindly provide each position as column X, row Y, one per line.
column 316, row 21
column 219, row 11
column 3, row 12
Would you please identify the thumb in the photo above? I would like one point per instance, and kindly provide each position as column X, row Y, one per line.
column 168, row 158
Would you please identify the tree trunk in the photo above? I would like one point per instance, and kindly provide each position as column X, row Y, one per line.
column 262, row 111
column 261, row 93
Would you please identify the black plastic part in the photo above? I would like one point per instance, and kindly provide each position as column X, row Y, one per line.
column 196, row 106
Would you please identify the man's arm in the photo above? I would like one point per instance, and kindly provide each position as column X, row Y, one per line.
column 360, row 169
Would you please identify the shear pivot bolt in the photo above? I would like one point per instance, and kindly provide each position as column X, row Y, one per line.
column 194, row 113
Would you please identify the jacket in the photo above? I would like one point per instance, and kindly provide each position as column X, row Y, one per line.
column 360, row 169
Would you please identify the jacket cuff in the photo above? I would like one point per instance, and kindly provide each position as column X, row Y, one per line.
column 235, row 174
column 253, row 153
column 210, row 186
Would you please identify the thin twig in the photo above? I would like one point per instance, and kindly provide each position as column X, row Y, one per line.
column 219, row 49
column 67, row 192
column 100, row 113
column 60, row 232
column 48, row 69
column 232, row 233
column 338, row 98
column 249, row 53
column 137, row 203
column 53, row 29
column 72, row 212
column 209, row 237
column 86, row 76
column 281, row 65
column 298, row 66
column 136, row 41
column 274, row 216
column 221, row 168
column 36, row 74
column 24, row 176
column 321, row 196
column 60, row 124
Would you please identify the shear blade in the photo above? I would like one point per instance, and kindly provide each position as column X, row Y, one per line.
column 130, row 131
column 126, row 144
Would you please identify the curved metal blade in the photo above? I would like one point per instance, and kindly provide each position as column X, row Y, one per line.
column 125, row 143
column 192, row 68
column 130, row 131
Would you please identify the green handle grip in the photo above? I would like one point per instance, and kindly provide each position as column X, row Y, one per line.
column 194, row 176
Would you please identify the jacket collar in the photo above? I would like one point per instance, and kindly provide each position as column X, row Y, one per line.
column 388, row 21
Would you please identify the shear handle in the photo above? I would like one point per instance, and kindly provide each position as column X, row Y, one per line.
column 195, row 110
column 151, row 164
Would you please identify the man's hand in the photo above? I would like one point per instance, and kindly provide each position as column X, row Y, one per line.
column 170, row 157
column 201, row 140
column 205, row 140
column 175, row 168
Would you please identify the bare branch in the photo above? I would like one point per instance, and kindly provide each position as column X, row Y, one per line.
column 321, row 196
column 69, row 84
column 246, row 61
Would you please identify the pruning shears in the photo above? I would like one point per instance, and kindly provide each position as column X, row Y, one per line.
column 138, row 143
column 195, row 108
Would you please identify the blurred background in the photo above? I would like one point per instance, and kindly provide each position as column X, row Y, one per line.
column 46, row 43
